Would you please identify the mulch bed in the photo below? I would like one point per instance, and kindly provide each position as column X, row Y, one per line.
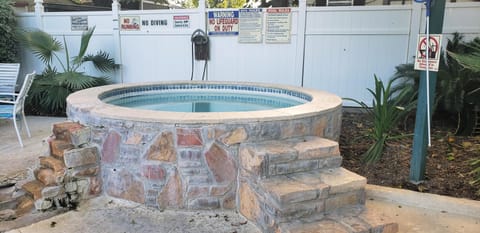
column 448, row 160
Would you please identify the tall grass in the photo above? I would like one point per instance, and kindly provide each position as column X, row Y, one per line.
column 389, row 106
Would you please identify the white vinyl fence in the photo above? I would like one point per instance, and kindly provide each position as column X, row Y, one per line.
column 336, row 49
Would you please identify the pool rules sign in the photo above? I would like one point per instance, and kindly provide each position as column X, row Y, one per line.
column 433, row 44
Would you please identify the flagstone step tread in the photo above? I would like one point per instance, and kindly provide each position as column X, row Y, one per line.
column 308, row 186
column 34, row 189
column 52, row 163
column 308, row 147
column 280, row 157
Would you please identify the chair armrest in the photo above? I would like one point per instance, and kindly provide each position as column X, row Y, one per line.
column 8, row 93
column 6, row 102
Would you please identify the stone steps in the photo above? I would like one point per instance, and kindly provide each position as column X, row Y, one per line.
column 297, row 185
column 303, row 195
column 272, row 158
column 326, row 189
column 352, row 219
column 72, row 167
column 70, row 173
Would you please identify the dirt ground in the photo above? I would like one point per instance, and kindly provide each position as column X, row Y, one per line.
column 448, row 160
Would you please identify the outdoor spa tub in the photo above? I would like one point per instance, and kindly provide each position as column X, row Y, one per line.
column 183, row 159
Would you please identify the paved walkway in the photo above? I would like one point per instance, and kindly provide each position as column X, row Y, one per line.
column 414, row 212
column 15, row 159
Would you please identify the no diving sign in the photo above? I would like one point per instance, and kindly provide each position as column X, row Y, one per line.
column 428, row 49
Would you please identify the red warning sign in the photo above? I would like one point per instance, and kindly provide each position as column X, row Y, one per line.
column 428, row 49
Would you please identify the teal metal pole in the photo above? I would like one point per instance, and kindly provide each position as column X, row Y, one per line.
column 420, row 138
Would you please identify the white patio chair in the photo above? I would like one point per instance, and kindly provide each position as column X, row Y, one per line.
column 10, row 109
column 8, row 79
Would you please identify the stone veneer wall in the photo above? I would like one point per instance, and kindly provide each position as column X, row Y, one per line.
column 192, row 166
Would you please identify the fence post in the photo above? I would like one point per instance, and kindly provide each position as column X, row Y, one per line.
column 39, row 10
column 117, row 46
column 415, row 27
column 199, row 65
column 203, row 12
column 300, row 50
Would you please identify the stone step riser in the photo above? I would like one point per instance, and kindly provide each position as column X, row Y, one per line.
column 34, row 189
column 48, row 177
column 58, row 148
column 69, row 174
column 351, row 219
column 58, row 166
column 310, row 195
column 72, row 133
column 274, row 158
column 270, row 219
column 318, row 207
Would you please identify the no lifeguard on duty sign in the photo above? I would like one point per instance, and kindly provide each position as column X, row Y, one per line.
column 433, row 52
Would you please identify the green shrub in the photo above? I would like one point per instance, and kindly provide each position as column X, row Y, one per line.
column 389, row 106
column 471, row 63
column 8, row 41
column 50, row 90
column 457, row 90
column 476, row 172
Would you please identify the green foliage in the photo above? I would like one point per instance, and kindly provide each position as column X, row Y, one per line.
column 226, row 3
column 216, row 3
column 471, row 63
column 8, row 41
column 50, row 90
column 457, row 89
column 469, row 57
column 389, row 106
column 476, row 172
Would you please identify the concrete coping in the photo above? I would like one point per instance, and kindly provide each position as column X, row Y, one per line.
column 88, row 101
column 453, row 205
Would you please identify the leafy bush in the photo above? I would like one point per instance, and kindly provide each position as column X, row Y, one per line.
column 471, row 63
column 389, row 106
column 457, row 90
column 8, row 41
column 476, row 172
column 50, row 90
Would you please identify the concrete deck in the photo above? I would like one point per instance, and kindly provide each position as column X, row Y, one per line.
column 414, row 212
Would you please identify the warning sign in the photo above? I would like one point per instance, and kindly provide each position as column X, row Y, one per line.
column 181, row 21
column 428, row 48
column 223, row 23
column 130, row 23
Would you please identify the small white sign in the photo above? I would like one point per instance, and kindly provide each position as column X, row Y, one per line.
column 250, row 26
column 181, row 21
column 79, row 23
column 130, row 23
column 278, row 22
column 433, row 44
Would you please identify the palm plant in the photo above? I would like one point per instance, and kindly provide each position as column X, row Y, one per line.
column 471, row 62
column 389, row 106
column 49, row 91
column 457, row 89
